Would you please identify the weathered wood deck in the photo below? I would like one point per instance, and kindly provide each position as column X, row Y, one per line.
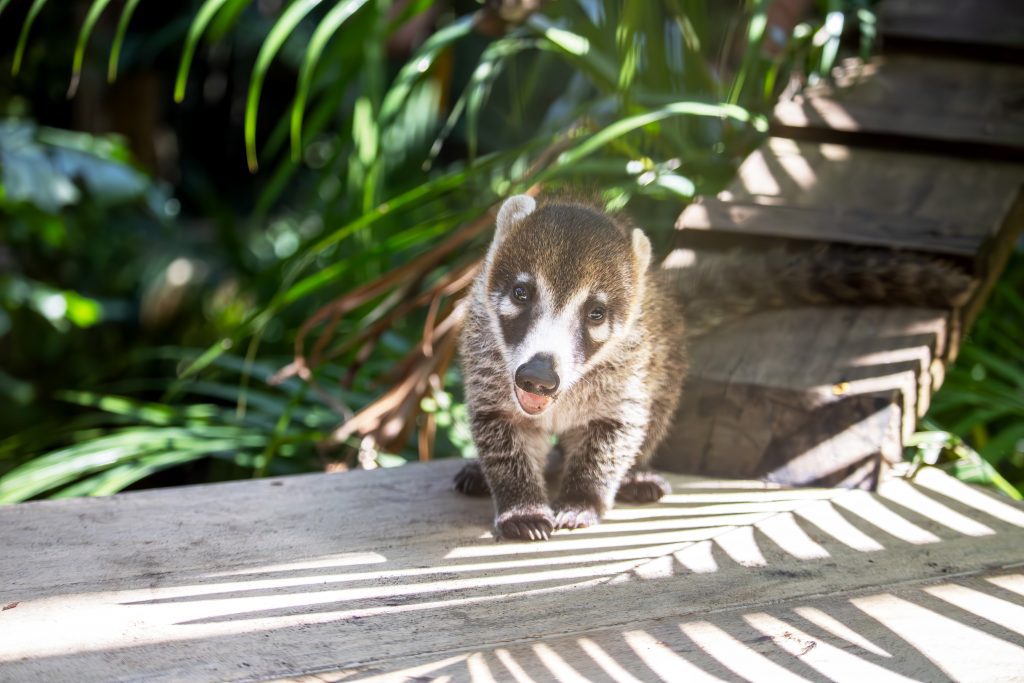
column 390, row 575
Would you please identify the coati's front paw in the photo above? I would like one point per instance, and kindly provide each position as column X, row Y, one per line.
column 527, row 523
column 576, row 516
column 470, row 480
column 642, row 487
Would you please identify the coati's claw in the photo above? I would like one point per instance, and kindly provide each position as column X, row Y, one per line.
column 470, row 480
column 575, row 516
column 642, row 487
column 524, row 525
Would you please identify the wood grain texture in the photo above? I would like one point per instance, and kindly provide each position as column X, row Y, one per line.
column 392, row 574
column 753, row 405
column 848, row 195
column 946, row 105
column 810, row 395
column 990, row 27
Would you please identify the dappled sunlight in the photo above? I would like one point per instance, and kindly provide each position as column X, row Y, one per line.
column 934, row 480
column 1007, row 614
column 663, row 660
column 329, row 562
column 606, row 662
column 735, row 655
column 831, row 661
column 884, row 636
column 838, row 629
column 699, row 551
column 945, row 639
column 868, row 508
column 901, row 492
column 1012, row 582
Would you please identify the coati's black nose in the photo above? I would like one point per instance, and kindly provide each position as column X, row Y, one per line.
column 538, row 375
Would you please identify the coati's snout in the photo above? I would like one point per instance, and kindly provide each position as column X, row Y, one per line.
column 536, row 383
column 562, row 285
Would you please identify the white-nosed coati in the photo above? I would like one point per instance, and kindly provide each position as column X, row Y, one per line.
column 570, row 332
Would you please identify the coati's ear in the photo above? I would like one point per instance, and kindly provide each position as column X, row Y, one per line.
column 513, row 210
column 641, row 249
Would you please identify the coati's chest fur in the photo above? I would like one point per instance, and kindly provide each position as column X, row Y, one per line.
column 569, row 332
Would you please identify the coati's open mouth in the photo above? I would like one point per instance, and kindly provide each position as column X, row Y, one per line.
column 532, row 404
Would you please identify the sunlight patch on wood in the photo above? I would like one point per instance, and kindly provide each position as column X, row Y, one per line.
column 606, row 662
column 741, row 546
column 936, row 480
column 558, row 667
column 735, row 655
column 899, row 491
column 942, row 639
column 660, row 659
column 870, row 510
column 417, row 672
column 509, row 662
column 326, row 562
column 839, row 629
column 1011, row 582
column 832, row 662
column 698, row 558
column 1002, row 612
column 556, row 544
column 787, row 534
column 823, row 515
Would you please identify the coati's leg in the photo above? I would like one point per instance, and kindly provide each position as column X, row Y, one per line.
column 470, row 480
column 641, row 486
column 598, row 456
column 511, row 460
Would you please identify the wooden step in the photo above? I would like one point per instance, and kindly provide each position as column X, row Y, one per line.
column 389, row 575
column 969, row 209
column 822, row 396
column 985, row 29
column 828, row 395
column 910, row 102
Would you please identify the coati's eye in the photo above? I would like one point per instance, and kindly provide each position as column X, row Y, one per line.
column 596, row 314
column 520, row 294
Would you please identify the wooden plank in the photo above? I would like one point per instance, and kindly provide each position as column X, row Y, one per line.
column 905, row 633
column 977, row 28
column 908, row 101
column 809, row 395
column 366, row 572
column 825, row 192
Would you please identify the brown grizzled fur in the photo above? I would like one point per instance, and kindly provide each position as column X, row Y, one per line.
column 569, row 332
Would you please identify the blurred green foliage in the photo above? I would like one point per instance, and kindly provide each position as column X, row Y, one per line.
column 143, row 320
column 977, row 417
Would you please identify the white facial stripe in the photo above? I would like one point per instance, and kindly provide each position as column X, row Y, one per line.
column 508, row 308
column 600, row 333
column 555, row 333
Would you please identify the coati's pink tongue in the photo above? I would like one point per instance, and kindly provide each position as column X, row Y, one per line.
column 532, row 403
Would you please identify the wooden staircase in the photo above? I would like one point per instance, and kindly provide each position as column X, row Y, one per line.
column 909, row 151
